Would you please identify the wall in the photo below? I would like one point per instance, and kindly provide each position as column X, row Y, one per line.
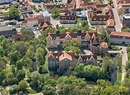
column 31, row 23
column 119, row 40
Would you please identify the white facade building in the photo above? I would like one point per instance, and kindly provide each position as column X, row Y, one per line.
column 120, row 38
column 6, row 1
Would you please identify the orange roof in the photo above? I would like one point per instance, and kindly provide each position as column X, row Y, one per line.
column 45, row 25
column 65, row 56
column 31, row 19
column 120, row 34
column 50, row 54
column 120, row 6
column 73, row 2
column 110, row 23
column 79, row 3
column 104, row 44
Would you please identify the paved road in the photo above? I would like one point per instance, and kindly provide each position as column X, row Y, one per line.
column 118, row 25
column 124, row 60
column 105, row 1
column 54, row 22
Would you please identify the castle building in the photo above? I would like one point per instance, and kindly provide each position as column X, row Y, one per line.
column 88, row 40
column 62, row 60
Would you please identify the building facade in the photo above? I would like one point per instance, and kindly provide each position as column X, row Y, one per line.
column 62, row 60
column 31, row 21
column 122, row 38
column 87, row 40
column 7, row 31
column 68, row 19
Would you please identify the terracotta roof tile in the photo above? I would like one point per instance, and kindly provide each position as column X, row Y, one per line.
column 104, row 44
column 110, row 23
column 73, row 35
column 123, row 1
column 73, row 2
column 31, row 19
column 65, row 56
column 120, row 34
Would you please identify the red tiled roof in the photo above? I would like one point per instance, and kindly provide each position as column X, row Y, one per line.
column 123, row 1
column 79, row 3
column 88, row 5
column 120, row 34
column 70, row 56
column 104, row 44
column 110, row 23
column 74, row 35
column 39, row 17
column 73, row 2
column 65, row 56
column 45, row 25
column 85, row 57
column 31, row 19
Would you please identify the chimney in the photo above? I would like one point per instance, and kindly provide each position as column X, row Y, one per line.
column 57, row 33
column 79, row 33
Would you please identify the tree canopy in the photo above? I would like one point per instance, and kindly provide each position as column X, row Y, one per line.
column 13, row 12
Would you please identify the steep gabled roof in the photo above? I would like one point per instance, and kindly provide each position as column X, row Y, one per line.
column 65, row 56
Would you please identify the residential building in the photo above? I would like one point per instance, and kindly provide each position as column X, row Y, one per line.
column 126, row 20
column 110, row 25
column 88, row 5
column 122, row 38
column 46, row 16
column 31, row 21
column 40, row 18
column 124, row 9
column 44, row 25
column 82, row 14
column 100, row 14
column 87, row 40
column 123, row 6
column 7, row 31
column 68, row 19
column 62, row 60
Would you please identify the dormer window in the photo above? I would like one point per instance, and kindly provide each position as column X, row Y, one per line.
column 95, row 42
column 49, row 38
column 124, row 37
column 104, row 19
column 68, row 37
column 100, row 18
column 94, row 18
column 87, row 37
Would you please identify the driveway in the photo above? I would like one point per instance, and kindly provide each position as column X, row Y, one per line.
column 124, row 60
column 55, row 22
column 118, row 25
